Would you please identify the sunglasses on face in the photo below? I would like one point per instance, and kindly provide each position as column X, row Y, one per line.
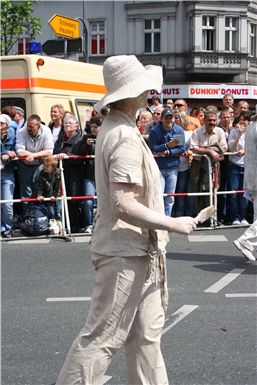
column 179, row 105
column 156, row 113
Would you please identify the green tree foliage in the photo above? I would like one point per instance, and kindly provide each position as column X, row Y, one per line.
column 16, row 18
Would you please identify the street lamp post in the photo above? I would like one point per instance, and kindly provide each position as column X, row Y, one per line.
column 85, row 34
column 24, row 36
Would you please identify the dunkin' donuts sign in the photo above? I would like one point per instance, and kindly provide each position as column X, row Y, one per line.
column 206, row 91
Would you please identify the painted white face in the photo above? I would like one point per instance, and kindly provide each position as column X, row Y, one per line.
column 142, row 99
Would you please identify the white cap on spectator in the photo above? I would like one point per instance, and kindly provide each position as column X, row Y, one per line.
column 5, row 119
column 19, row 110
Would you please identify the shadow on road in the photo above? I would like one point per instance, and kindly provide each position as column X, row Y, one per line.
column 219, row 263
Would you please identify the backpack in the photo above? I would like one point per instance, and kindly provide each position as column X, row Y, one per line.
column 36, row 221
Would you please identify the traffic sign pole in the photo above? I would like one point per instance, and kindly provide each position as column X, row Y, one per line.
column 65, row 47
column 85, row 54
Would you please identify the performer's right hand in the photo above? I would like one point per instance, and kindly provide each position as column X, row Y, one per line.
column 183, row 225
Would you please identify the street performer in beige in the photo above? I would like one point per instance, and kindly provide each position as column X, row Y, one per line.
column 128, row 241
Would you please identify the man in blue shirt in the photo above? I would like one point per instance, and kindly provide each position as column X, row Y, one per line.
column 167, row 142
column 7, row 173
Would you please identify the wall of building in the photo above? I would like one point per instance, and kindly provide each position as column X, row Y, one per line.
column 183, row 59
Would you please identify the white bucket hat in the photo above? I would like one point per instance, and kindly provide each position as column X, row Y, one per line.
column 125, row 77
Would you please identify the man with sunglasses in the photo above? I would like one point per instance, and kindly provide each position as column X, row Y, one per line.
column 156, row 119
column 192, row 122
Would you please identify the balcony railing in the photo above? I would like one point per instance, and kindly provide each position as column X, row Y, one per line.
column 225, row 62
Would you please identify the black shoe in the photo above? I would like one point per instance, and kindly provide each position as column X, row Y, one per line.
column 6, row 234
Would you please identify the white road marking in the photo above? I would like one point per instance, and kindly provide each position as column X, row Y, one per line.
column 181, row 313
column 224, row 281
column 104, row 380
column 207, row 238
column 242, row 295
column 68, row 299
column 84, row 239
column 37, row 241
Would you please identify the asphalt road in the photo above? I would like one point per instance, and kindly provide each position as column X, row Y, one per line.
column 210, row 332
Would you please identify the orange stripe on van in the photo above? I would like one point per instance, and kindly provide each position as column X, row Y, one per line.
column 14, row 83
column 51, row 83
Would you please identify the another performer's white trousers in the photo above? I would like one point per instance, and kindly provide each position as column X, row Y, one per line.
column 126, row 309
column 251, row 231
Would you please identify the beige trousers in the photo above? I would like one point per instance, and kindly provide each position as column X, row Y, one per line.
column 125, row 310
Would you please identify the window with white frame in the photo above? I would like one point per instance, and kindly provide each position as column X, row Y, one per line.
column 231, row 34
column 208, row 33
column 253, row 39
column 152, row 35
column 97, row 37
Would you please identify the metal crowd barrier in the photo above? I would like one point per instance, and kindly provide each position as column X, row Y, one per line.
column 65, row 219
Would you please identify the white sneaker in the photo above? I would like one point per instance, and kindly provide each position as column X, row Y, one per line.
column 246, row 244
column 236, row 223
column 54, row 227
column 247, row 253
column 89, row 230
column 244, row 222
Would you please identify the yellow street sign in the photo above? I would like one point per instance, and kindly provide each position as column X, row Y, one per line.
column 64, row 26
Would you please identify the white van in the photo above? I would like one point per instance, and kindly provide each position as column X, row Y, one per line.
column 36, row 82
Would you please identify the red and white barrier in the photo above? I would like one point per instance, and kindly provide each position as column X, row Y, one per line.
column 212, row 193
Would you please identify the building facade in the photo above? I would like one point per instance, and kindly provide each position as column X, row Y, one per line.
column 195, row 41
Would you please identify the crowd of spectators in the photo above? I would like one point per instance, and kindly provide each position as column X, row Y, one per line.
column 179, row 137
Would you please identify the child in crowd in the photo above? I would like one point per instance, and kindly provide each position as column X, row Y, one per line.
column 46, row 185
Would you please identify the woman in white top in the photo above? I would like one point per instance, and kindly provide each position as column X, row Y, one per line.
column 56, row 124
column 236, row 144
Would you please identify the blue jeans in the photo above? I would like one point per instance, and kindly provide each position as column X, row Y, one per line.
column 26, row 174
column 169, row 180
column 89, row 189
column 184, row 205
column 7, row 189
column 238, row 203
column 224, row 200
